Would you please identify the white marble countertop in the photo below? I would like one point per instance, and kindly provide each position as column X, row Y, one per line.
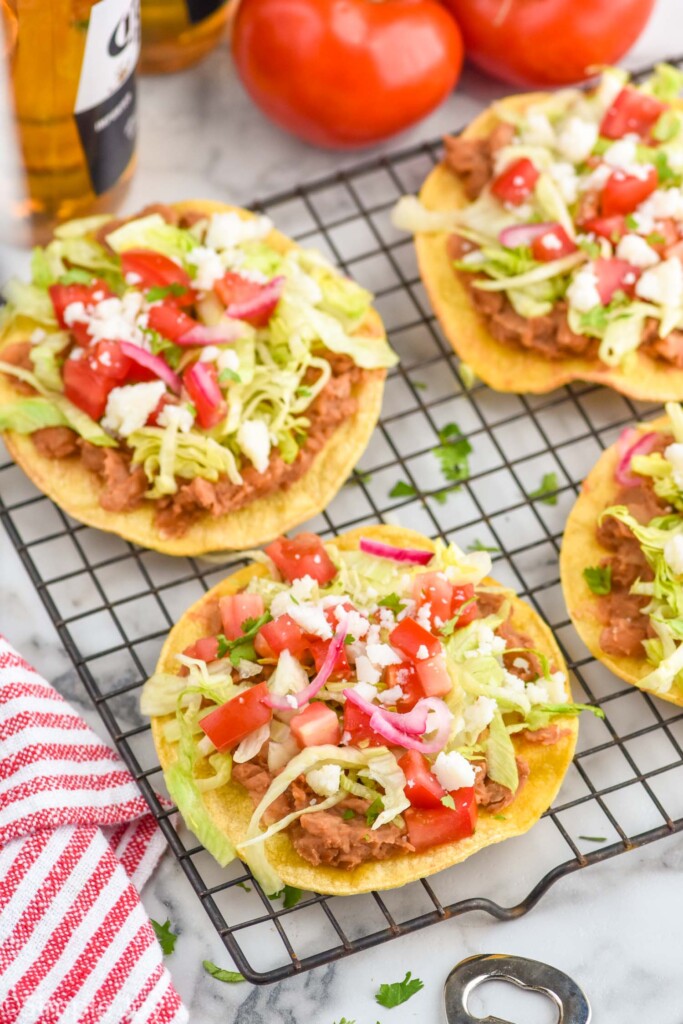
column 616, row 928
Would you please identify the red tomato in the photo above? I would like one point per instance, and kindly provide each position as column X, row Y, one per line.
column 548, row 42
column 315, row 725
column 433, row 676
column 409, row 636
column 346, row 73
column 623, row 192
column 516, row 183
column 85, row 387
column 232, row 721
column 423, row 789
column 463, row 598
column 170, row 321
column 205, row 649
column 434, row 589
column 283, row 634
column 158, row 271
column 201, row 382
column 341, row 668
column 235, row 609
column 234, row 291
column 303, row 555
column 552, row 245
column 153, row 418
column 107, row 360
column 357, row 729
column 632, row 111
column 438, row 825
column 405, row 676
column 611, row 228
column 613, row 276
column 63, row 295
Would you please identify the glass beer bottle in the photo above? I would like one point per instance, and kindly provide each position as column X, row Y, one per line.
column 73, row 79
column 178, row 33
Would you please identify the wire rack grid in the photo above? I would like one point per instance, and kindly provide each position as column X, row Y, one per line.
column 112, row 603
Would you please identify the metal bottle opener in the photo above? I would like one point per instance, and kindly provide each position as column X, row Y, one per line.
column 529, row 974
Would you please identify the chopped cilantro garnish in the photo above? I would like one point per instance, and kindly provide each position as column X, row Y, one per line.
column 347, row 814
column 500, row 817
column 590, row 247
column 594, row 321
column 348, row 639
column 303, row 391
column 594, row 839
column 452, row 624
column 655, row 238
column 453, row 453
column 76, row 276
column 358, row 478
column 292, row 896
column 163, row 291
column 448, row 801
column 442, row 496
column 167, row 938
column 345, row 1020
column 543, row 493
column 402, row 490
column 665, row 173
column 398, row 992
column 157, row 344
column 477, row 545
column 243, row 885
column 374, row 810
column 229, row 375
column 419, row 384
column 631, row 222
column 393, row 602
column 222, row 975
column 599, row 579
column 242, row 648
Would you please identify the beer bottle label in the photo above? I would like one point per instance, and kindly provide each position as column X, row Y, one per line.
column 105, row 103
column 197, row 10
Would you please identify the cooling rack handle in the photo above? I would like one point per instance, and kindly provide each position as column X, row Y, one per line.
column 529, row 974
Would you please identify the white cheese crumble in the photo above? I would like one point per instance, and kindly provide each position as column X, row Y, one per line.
column 674, row 456
column 227, row 359
column 365, row 671
column 660, row 205
column 129, row 407
column 576, row 139
column 228, row 230
column 209, row 354
column 422, row 653
column 390, row 696
column 673, row 554
column 424, row 616
column 326, row 780
column 254, row 440
column 565, row 177
column 366, row 690
column 304, row 588
column 478, row 715
column 382, row 655
column 311, row 619
column 622, row 153
column 583, row 294
column 636, row 251
column 662, row 284
column 453, row 771
column 176, row 415
column 209, row 267
column 356, row 624
column 537, row 130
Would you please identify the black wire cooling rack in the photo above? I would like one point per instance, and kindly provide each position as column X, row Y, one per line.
column 112, row 603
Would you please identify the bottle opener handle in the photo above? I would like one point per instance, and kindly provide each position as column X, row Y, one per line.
column 529, row 974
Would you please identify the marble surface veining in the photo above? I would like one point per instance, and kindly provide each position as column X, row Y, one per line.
column 617, row 928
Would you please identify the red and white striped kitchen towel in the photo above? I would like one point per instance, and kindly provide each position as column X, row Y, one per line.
column 77, row 842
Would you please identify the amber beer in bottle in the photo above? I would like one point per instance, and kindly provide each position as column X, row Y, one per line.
column 73, row 78
column 178, row 33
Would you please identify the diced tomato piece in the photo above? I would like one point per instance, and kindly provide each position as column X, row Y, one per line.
column 235, row 291
column 631, row 111
column 463, row 598
column 205, row 649
column 423, row 789
column 303, row 555
column 158, row 271
column 612, row 228
column 85, row 387
column 624, row 192
column 665, row 237
column 170, row 321
column 433, row 588
column 675, row 251
column 232, row 721
column 341, row 668
column 409, row 636
column 552, row 245
column 405, row 676
column 281, row 634
column 516, row 183
column 315, row 725
column 433, row 827
column 153, row 418
column 201, row 382
column 235, row 609
column 63, row 295
column 106, row 359
column 433, row 676
column 614, row 275
column 331, row 613
column 357, row 729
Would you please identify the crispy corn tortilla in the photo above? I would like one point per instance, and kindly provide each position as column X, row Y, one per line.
column 506, row 367
column 580, row 548
column 76, row 490
column 231, row 807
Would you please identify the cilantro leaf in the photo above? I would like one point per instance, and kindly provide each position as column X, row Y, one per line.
column 163, row 291
column 242, row 648
column 358, row 478
column 167, row 938
column 243, row 885
column 477, row 545
column 157, row 344
column 599, row 579
column 655, row 238
column 398, row 992
column 631, row 222
column 543, row 493
column 222, row 975
column 448, row 627
column 448, row 801
column 229, row 375
column 419, row 384
column 347, row 814
column 393, row 602
column 402, row 490
column 500, row 817
column 292, row 896
column 594, row 839
column 345, row 1020
column 453, row 453
column 303, row 392
column 374, row 810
